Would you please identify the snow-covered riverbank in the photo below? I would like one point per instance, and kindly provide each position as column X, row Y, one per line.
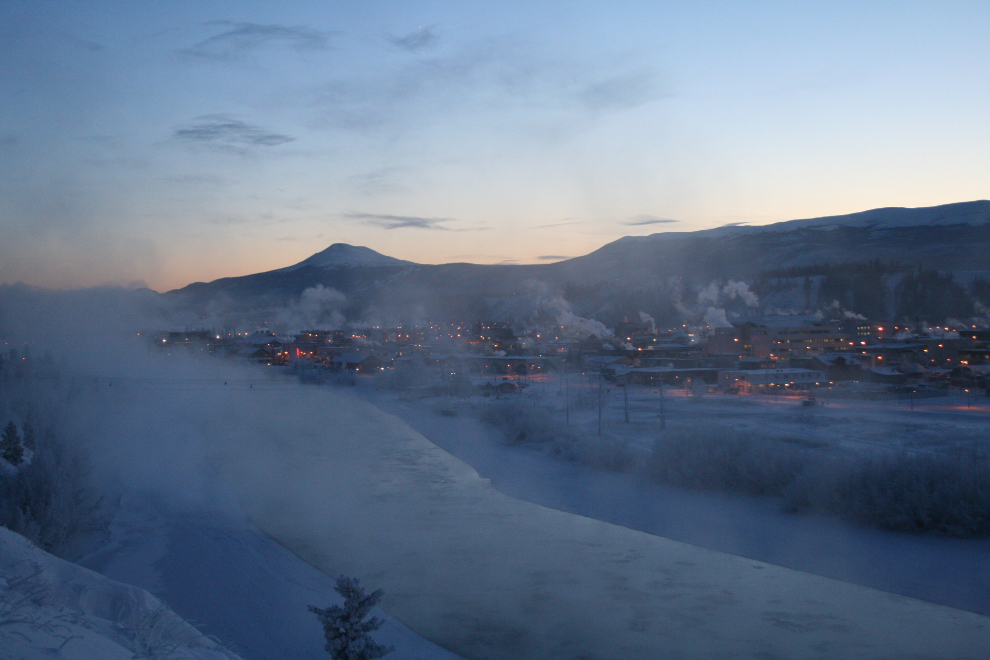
column 354, row 490
column 492, row 577
column 234, row 581
column 943, row 570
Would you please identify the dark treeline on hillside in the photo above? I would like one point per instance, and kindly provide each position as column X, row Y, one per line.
column 882, row 290
column 876, row 266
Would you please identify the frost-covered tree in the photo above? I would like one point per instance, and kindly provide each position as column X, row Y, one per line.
column 27, row 438
column 10, row 445
column 345, row 628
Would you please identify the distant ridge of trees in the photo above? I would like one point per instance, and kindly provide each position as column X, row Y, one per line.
column 874, row 266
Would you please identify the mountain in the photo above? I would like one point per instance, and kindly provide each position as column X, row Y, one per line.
column 342, row 255
column 856, row 261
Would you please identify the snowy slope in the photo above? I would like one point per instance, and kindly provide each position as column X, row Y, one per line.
column 964, row 213
column 236, row 582
column 50, row 608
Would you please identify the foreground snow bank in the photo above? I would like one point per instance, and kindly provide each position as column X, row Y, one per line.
column 55, row 609
column 235, row 582
column 353, row 490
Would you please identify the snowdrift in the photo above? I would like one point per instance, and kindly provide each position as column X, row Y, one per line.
column 353, row 490
column 55, row 609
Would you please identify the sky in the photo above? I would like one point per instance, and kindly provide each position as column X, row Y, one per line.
column 158, row 144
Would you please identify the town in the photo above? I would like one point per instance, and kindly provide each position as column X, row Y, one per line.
column 782, row 355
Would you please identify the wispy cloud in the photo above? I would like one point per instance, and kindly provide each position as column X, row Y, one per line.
column 227, row 133
column 552, row 257
column 400, row 221
column 422, row 39
column 243, row 38
column 641, row 220
column 563, row 223
column 497, row 78
column 376, row 182
column 621, row 91
column 197, row 179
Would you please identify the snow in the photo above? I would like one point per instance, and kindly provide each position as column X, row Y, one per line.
column 968, row 213
column 55, row 609
column 951, row 572
column 234, row 581
column 342, row 487
column 352, row 490
column 340, row 255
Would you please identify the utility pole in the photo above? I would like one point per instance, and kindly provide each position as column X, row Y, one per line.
column 625, row 398
column 601, row 377
column 663, row 417
column 567, row 395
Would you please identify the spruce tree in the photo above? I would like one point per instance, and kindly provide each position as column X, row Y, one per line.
column 10, row 445
column 345, row 628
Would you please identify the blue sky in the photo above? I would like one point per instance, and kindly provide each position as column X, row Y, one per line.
column 167, row 143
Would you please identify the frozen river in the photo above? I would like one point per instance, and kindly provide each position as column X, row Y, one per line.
column 949, row 571
column 352, row 490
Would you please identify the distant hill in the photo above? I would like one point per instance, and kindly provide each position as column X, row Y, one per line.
column 857, row 261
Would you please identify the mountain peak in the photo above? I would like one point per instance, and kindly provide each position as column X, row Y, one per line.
column 341, row 255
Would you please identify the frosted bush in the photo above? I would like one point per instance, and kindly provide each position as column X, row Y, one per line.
column 522, row 420
column 905, row 492
column 605, row 452
column 48, row 500
column 718, row 458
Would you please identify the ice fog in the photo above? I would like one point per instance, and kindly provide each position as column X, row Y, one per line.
column 352, row 489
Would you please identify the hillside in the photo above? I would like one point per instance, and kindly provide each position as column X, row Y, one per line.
column 661, row 274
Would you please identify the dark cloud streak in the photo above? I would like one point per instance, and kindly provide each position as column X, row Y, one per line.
column 641, row 220
column 557, row 224
column 400, row 221
column 243, row 38
column 227, row 133
column 423, row 39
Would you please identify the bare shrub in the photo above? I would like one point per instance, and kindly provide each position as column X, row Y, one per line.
column 717, row 458
column 905, row 492
column 532, row 421
column 605, row 452
column 522, row 420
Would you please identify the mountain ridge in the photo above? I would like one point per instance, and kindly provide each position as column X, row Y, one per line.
column 655, row 274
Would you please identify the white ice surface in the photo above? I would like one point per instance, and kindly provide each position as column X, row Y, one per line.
column 352, row 490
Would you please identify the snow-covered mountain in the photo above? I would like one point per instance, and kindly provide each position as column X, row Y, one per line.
column 342, row 255
column 975, row 213
column 632, row 274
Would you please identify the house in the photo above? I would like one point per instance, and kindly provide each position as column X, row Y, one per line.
column 748, row 380
column 360, row 363
column 837, row 367
column 888, row 375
